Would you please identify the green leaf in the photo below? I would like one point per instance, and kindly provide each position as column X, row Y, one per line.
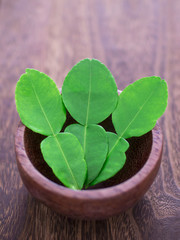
column 39, row 103
column 139, row 106
column 89, row 92
column 93, row 139
column 115, row 160
column 64, row 154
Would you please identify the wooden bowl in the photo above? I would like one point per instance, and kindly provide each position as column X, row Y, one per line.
column 106, row 199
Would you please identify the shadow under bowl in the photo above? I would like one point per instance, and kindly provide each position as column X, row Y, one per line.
column 101, row 201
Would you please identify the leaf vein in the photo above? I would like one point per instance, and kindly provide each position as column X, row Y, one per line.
column 130, row 122
column 42, row 107
column 89, row 95
column 66, row 161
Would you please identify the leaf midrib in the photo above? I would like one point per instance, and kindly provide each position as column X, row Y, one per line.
column 88, row 105
column 130, row 122
column 54, row 135
column 89, row 95
column 87, row 113
column 42, row 108
column 66, row 161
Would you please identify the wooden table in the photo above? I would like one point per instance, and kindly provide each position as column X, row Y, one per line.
column 134, row 38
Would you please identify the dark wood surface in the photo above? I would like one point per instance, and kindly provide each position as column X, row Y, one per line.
column 134, row 38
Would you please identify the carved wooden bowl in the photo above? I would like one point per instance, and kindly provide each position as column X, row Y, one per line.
column 101, row 201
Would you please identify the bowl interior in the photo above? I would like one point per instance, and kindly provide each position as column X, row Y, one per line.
column 137, row 154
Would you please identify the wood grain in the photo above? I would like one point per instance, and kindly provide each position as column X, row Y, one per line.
column 134, row 38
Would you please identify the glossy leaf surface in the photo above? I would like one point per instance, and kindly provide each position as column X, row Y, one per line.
column 139, row 106
column 115, row 159
column 39, row 103
column 64, row 154
column 93, row 139
column 89, row 92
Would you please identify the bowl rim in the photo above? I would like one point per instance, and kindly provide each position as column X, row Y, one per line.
column 46, row 184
